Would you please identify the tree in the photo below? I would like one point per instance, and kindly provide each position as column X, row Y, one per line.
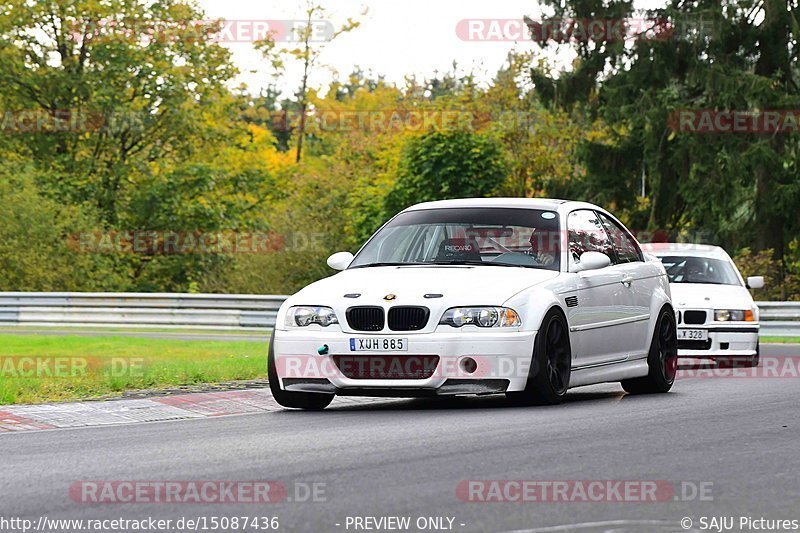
column 158, row 141
column 307, row 53
column 740, row 55
column 35, row 232
column 134, row 77
column 447, row 164
column 541, row 142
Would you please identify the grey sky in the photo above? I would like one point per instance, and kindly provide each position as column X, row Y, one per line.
column 396, row 37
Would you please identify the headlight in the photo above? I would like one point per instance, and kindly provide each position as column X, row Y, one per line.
column 484, row 317
column 303, row 315
column 733, row 315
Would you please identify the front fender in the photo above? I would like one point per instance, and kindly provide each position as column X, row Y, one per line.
column 532, row 306
column 660, row 298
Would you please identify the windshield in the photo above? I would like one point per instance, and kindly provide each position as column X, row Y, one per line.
column 474, row 236
column 700, row 270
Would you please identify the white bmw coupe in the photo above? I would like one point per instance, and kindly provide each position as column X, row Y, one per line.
column 717, row 317
column 527, row 297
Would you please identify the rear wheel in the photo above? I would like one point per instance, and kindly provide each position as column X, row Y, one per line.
column 297, row 400
column 548, row 377
column 662, row 359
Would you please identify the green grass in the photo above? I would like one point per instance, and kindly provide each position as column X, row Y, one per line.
column 779, row 340
column 99, row 366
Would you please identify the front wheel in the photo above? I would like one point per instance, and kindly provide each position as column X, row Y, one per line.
column 548, row 377
column 310, row 401
column 662, row 359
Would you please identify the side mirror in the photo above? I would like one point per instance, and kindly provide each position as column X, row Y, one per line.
column 591, row 261
column 340, row 260
column 755, row 282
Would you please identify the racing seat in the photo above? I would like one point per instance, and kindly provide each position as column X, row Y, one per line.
column 458, row 249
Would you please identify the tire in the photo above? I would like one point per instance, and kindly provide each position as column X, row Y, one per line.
column 662, row 359
column 551, row 364
column 309, row 401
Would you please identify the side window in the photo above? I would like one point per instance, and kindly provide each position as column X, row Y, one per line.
column 627, row 249
column 586, row 234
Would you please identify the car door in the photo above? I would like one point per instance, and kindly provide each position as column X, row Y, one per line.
column 638, row 284
column 596, row 322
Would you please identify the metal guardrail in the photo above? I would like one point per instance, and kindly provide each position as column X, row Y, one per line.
column 140, row 310
column 220, row 311
column 780, row 319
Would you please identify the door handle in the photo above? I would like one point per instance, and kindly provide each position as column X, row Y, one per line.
column 627, row 280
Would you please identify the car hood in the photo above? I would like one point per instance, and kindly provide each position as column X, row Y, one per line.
column 708, row 296
column 458, row 285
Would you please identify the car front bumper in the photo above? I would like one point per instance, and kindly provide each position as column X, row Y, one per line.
column 501, row 362
column 723, row 341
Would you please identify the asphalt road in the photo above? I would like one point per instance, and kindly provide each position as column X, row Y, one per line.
column 738, row 439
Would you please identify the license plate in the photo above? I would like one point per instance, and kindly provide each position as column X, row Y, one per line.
column 693, row 334
column 378, row 344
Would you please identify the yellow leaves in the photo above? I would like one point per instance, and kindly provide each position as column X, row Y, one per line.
column 601, row 133
column 260, row 134
column 255, row 149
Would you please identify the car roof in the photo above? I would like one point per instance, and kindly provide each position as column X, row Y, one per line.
column 529, row 203
column 685, row 249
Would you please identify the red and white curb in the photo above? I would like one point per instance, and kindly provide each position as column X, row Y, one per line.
column 17, row 418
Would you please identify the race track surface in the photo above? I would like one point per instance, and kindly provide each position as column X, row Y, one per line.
column 735, row 439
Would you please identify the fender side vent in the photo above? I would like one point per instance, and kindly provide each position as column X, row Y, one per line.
column 572, row 301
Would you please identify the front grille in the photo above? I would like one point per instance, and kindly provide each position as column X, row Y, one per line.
column 408, row 318
column 694, row 317
column 365, row 318
column 386, row 366
column 694, row 345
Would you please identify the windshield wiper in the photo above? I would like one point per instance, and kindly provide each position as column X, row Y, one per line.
column 458, row 262
column 384, row 264
column 444, row 262
column 485, row 263
column 702, row 282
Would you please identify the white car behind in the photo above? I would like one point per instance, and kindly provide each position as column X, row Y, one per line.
column 527, row 297
column 717, row 317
